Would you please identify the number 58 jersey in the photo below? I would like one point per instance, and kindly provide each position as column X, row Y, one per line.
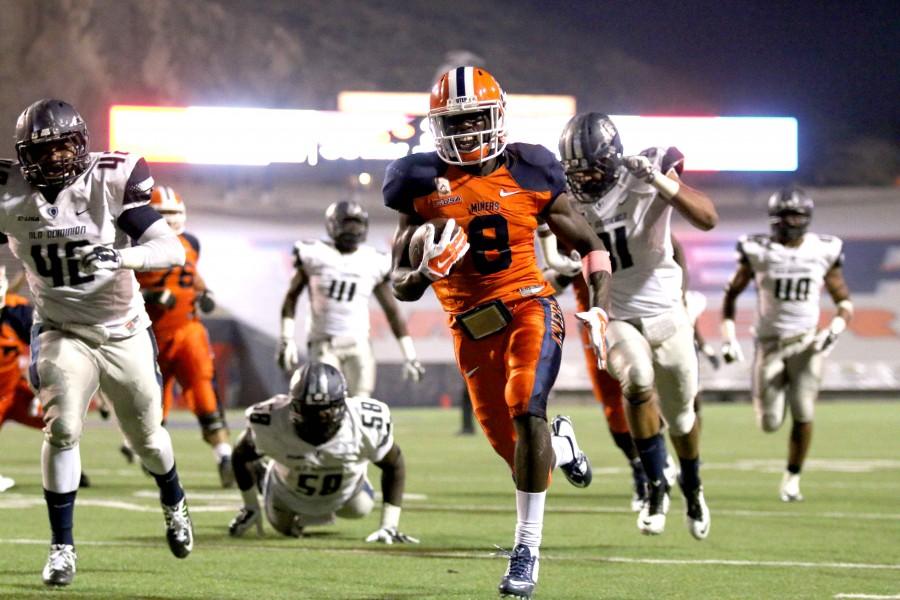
column 44, row 236
column 322, row 478
column 788, row 280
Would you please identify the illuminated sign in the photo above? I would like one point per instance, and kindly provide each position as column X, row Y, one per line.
column 366, row 130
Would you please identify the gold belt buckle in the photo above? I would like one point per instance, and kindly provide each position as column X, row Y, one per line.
column 485, row 319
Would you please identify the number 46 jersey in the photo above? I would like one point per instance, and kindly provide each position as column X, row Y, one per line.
column 322, row 478
column 44, row 235
column 788, row 280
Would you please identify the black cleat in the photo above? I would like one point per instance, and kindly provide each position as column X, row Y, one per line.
column 521, row 574
column 179, row 530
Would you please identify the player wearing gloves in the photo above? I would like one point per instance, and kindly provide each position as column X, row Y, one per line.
column 788, row 267
column 81, row 224
column 320, row 443
column 506, row 325
column 629, row 203
column 342, row 275
column 174, row 298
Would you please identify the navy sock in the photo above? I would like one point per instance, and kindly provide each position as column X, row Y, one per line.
column 625, row 444
column 170, row 492
column 637, row 471
column 61, row 510
column 690, row 473
column 653, row 456
column 793, row 469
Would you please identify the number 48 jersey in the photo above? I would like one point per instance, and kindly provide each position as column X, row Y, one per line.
column 44, row 235
column 788, row 280
column 633, row 222
column 322, row 478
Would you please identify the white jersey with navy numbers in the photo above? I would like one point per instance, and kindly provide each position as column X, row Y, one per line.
column 340, row 286
column 788, row 280
column 634, row 223
column 44, row 235
column 326, row 476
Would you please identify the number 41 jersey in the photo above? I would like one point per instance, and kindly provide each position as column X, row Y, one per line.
column 326, row 476
column 44, row 235
column 788, row 280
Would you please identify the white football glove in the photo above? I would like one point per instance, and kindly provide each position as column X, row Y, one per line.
column 570, row 266
column 825, row 338
column 97, row 257
column 596, row 320
column 244, row 520
column 641, row 167
column 413, row 370
column 390, row 535
column 288, row 358
column 439, row 257
column 731, row 347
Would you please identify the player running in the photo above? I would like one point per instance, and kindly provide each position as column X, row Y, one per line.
column 506, row 325
column 788, row 267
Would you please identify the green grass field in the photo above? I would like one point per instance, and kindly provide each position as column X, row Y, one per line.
column 842, row 542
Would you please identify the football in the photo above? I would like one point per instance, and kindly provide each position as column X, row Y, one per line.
column 417, row 241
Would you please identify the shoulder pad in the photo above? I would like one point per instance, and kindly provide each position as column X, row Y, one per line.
column 410, row 177
column 192, row 240
column 536, row 168
column 304, row 250
column 262, row 408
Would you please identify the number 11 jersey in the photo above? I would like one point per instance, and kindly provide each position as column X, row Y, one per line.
column 633, row 222
column 498, row 212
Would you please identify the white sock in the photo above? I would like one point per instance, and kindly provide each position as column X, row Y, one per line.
column 530, row 522
column 563, row 450
column 60, row 468
column 222, row 450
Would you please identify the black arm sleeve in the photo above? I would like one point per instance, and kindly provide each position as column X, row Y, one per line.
column 135, row 221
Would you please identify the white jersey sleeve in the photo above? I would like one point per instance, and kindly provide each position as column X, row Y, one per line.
column 45, row 234
column 788, row 280
column 375, row 426
column 340, row 287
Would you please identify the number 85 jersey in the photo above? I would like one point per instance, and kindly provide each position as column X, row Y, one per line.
column 498, row 212
column 788, row 280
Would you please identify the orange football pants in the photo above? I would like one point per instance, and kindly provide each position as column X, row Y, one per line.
column 510, row 373
column 16, row 406
column 606, row 388
column 185, row 356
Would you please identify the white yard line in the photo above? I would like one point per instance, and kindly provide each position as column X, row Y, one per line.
column 867, row 596
column 249, row 545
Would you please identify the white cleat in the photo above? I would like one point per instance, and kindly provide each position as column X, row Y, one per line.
column 578, row 472
column 790, row 487
column 652, row 518
column 697, row 518
column 60, row 567
column 179, row 529
column 6, row 483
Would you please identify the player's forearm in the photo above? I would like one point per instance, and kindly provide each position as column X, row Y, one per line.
column 409, row 286
column 728, row 305
column 695, row 206
column 243, row 454
column 157, row 248
column 600, row 282
column 393, row 479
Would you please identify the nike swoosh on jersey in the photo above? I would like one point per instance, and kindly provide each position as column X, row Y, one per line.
column 471, row 372
column 78, row 214
column 504, row 193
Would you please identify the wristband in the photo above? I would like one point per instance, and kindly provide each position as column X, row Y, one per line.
column 407, row 348
column 847, row 306
column 287, row 328
column 666, row 186
column 596, row 261
column 390, row 516
column 728, row 330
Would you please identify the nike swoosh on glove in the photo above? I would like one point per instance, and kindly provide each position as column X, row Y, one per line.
column 596, row 320
column 438, row 258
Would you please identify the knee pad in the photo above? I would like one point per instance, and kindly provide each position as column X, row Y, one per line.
column 62, row 433
column 359, row 505
column 769, row 423
column 683, row 423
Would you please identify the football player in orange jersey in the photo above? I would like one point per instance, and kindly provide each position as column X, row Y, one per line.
column 506, row 325
column 173, row 298
column 16, row 397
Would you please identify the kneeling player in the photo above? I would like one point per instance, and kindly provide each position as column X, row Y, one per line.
column 320, row 442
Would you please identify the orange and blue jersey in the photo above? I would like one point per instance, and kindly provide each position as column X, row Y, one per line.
column 16, row 320
column 179, row 281
column 498, row 212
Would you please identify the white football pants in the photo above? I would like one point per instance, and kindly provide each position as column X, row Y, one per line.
column 67, row 371
column 785, row 369
column 355, row 359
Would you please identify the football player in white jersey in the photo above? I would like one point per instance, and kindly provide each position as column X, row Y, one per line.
column 629, row 202
column 342, row 275
column 81, row 224
column 788, row 267
column 320, row 443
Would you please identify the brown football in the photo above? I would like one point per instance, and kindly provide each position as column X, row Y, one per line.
column 417, row 241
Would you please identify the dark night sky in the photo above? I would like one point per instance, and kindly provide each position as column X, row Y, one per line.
column 819, row 61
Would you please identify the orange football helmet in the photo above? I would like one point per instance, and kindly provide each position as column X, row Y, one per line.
column 169, row 205
column 468, row 90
